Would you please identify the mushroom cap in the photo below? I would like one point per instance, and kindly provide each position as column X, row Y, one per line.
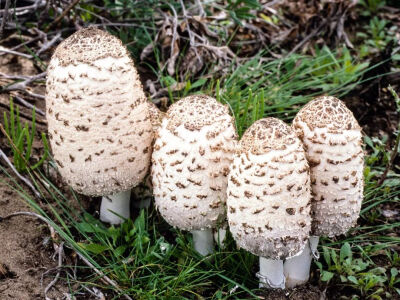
column 156, row 115
column 98, row 121
column 333, row 144
column 191, row 158
column 269, row 191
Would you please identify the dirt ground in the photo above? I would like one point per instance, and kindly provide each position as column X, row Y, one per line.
column 26, row 252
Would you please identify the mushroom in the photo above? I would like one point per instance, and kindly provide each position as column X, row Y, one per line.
column 98, row 120
column 190, row 165
column 144, row 191
column 332, row 141
column 269, row 197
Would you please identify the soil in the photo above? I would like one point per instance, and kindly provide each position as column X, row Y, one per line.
column 26, row 249
column 26, row 252
column 305, row 292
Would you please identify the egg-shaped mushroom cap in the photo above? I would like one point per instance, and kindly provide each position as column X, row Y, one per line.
column 333, row 144
column 269, row 191
column 190, row 162
column 98, row 120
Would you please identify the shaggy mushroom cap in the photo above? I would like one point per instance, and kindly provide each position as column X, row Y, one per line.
column 332, row 141
column 191, row 158
column 156, row 116
column 269, row 191
column 98, row 120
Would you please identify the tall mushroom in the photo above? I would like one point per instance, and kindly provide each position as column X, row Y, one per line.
column 191, row 158
column 333, row 144
column 269, row 197
column 98, row 120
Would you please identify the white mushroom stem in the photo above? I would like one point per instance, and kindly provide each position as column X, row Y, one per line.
column 115, row 206
column 297, row 268
column 271, row 274
column 219, row 237
column 203, row 241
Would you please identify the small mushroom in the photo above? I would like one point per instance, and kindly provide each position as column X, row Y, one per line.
column 269, row 197
column 190, row 165
column 333, row 143
column 98, row 120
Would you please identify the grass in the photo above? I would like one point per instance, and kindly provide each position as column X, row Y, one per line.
column 21, row 139
column 146, row 257
column 149, row 259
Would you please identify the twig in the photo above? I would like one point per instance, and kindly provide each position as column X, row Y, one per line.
column 25, row 213
column 49, row 44
column 27, row 9
column 27, row 104
column 306, row 39
column 8, row 51
column 103, row 277
column 25, row 180
column 24, row 115
column 54, row 281
column 5, row 17
column 202, row 13
column 63, row 14
column 23, row 84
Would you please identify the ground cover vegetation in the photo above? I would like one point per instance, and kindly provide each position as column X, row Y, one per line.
column 262, row 58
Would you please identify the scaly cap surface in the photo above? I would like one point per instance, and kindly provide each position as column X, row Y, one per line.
column 98, row 121
column 269, row 191
column 332, row 140
column 191, row 158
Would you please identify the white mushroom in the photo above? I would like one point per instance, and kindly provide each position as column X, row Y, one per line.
column 191, row 158
column 332, row 141
column 144, row 190
column 269, row 197
column 98, row 120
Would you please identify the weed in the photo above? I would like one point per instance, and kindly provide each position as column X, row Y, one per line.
column 371, row 6
column 22, row 138
column 377, row 36
column 357, row 273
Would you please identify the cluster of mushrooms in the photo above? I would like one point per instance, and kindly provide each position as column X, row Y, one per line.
column 279, row 187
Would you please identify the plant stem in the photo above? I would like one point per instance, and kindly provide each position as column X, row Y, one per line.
column 203, row 241
column 114, row 208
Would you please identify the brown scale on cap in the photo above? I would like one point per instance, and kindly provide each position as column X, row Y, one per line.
column 265, row 135
column 195, row 113
column 332, row 139
column 328, row 112
column 88, row 45
column 269, row 191
column 191, row 158
column 97, row 114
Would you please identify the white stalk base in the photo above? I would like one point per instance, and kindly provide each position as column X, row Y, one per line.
column 219, row 237
column 203, row 241
column 271, row 274
column 297, row 268
column 113, row 206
